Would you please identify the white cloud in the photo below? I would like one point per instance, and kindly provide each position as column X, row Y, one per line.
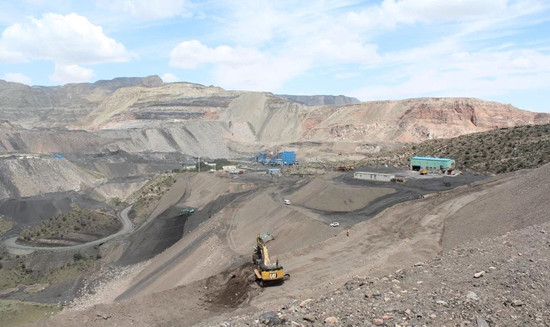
column 239, row 68
column 391, row 13
column 191, row 54
column 267, row 74
column 347, row 75
column 149, row 10
column 71, row 74
column 66, row 40
column 479, row 74
column 18, row 78
column 169, row 78
column 10, row 57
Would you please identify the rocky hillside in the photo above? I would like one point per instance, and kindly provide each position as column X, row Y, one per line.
column 22, row 176
column 495, row 151
column 133, row 114
column 38, row 106
column 416, row 120
column 320, row 100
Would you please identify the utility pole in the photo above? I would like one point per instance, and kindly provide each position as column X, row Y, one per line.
column 199, row 164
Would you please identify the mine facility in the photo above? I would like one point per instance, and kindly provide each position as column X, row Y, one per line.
column 429, row 163
column 380, row 177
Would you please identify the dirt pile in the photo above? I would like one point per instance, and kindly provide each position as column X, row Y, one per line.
column 322, row 195
column 231, row 289
column 513, row 202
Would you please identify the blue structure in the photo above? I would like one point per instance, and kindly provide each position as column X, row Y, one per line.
column 285, row 158
column 289, row 158
column 262, row 157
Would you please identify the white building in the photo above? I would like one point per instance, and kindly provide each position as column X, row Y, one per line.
column 229, row 168
column 379, row 177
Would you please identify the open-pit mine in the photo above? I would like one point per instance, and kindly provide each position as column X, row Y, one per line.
column 134, row 202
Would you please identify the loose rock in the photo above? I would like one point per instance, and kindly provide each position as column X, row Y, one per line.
column 479, row 274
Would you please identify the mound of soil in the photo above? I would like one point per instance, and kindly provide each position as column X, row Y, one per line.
column 323, row 195
column 232, row 288
column 181, row 306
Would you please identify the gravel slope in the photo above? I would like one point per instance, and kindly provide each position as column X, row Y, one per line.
column 398, row 238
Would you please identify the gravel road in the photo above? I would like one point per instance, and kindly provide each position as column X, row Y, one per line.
column 127, row 227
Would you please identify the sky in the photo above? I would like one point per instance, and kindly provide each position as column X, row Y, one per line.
column 495, row 50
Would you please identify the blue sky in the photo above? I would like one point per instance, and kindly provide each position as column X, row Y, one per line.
column 373, row 50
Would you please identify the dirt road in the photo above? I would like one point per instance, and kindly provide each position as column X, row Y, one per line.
column 127, row 227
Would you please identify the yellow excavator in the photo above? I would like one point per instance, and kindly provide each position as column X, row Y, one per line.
column 266, row 272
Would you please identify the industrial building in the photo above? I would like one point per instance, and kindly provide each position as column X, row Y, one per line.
column 380, row 177
column 418, row 163
column 285, row 158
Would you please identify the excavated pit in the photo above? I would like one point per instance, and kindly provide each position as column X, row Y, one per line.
column 231, row 288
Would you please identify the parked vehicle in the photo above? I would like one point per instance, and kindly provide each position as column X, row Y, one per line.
column 334, row 224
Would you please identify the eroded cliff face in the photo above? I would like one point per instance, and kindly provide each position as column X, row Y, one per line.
column 146, row 115
column 60, row 106
column 416, row 120
column 23, row 176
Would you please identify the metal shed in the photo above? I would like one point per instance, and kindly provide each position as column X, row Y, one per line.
column 418, row 163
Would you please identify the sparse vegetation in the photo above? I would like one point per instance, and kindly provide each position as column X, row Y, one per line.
column 497, row 151
column 69, row 224
column 222, row 162
column 146, row 198
column 17, row 313
column 5, row 225
column 19, row 274
column 116, row 202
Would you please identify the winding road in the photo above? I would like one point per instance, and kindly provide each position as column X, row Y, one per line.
column 127, row 227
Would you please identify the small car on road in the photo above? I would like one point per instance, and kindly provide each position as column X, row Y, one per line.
column 287, row 202
column 334, row 224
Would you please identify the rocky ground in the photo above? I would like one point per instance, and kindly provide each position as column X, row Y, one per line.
column 500, row 281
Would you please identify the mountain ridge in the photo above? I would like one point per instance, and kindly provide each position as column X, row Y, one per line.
column 245, row 121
